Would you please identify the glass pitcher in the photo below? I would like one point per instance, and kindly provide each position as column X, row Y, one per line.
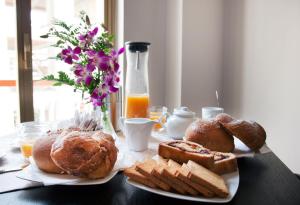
column 137, row 85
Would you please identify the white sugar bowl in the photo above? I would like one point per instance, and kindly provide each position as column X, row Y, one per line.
column 178, row 122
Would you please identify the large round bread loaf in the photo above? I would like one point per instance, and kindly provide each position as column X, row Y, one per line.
column 85, row 154
column 211, row 135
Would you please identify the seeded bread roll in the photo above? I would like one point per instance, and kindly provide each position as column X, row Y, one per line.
column 249, row 132
column 211, row 135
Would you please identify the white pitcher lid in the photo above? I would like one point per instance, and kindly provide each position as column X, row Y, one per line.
column 184, row 112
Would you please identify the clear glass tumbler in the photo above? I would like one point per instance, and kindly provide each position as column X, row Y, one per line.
column 28, row 132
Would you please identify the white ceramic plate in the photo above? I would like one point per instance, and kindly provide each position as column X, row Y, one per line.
column 232, row 180
column 33, row 173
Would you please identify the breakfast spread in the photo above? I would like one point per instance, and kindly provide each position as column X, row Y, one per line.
column 89, row 154
column 196, row 166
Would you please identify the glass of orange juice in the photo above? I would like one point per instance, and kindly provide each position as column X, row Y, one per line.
column 158, row 113
column 137, row 106
column 28, row 132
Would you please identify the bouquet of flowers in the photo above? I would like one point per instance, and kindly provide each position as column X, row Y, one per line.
column 93, row 60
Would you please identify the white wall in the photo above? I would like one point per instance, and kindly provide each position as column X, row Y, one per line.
column 173, row 55
column 261, row 76
column 144, row 20
column 201, row 52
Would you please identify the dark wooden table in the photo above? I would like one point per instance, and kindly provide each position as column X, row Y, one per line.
column 263, row 180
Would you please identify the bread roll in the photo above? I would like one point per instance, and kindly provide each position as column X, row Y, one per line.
column 211, row 135
column 85, row 154
column 249, row 132
column 224, row 118
column 41, row 154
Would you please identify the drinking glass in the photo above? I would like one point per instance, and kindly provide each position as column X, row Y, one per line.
column 158, row 113
column 28, row 132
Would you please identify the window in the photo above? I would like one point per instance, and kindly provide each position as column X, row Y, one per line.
column 9, row 66
column 49, row 103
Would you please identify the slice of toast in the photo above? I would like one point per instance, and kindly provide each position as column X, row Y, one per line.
column 183, row 173
column 161, row 160
column 157, row 172
column 208, row 179
column 138, row 177
column 169, row 173
column 183, row 151
column 175, row 167
column 146, row 169
column 224, row 163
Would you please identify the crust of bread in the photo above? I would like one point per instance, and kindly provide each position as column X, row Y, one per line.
column 146, row 169
column 85, row 154
column 183, row 172
column 183, row 156
column 158, row 170
column 211, row 135
column 208, row 179
column 41, row 154
column 250, row 133
column 224, row 163
column 170, row 173
column 138, row 177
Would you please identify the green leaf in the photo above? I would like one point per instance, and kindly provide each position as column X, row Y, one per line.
column 57, row 84
column 62, row 24
column 45, row 36
column 48, row 77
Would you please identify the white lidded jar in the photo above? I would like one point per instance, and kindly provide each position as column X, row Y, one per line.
column 178, row 122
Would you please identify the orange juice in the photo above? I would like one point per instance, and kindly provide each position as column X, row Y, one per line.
column 26, row 150
column 137, row 106
column 157, row 126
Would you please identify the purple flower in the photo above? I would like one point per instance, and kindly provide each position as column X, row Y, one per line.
column 68, row 54
column 97, row 59
column 97, row 96
column 86, row 39
column 114, row 58
column 111, row 81
column 83, row 74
